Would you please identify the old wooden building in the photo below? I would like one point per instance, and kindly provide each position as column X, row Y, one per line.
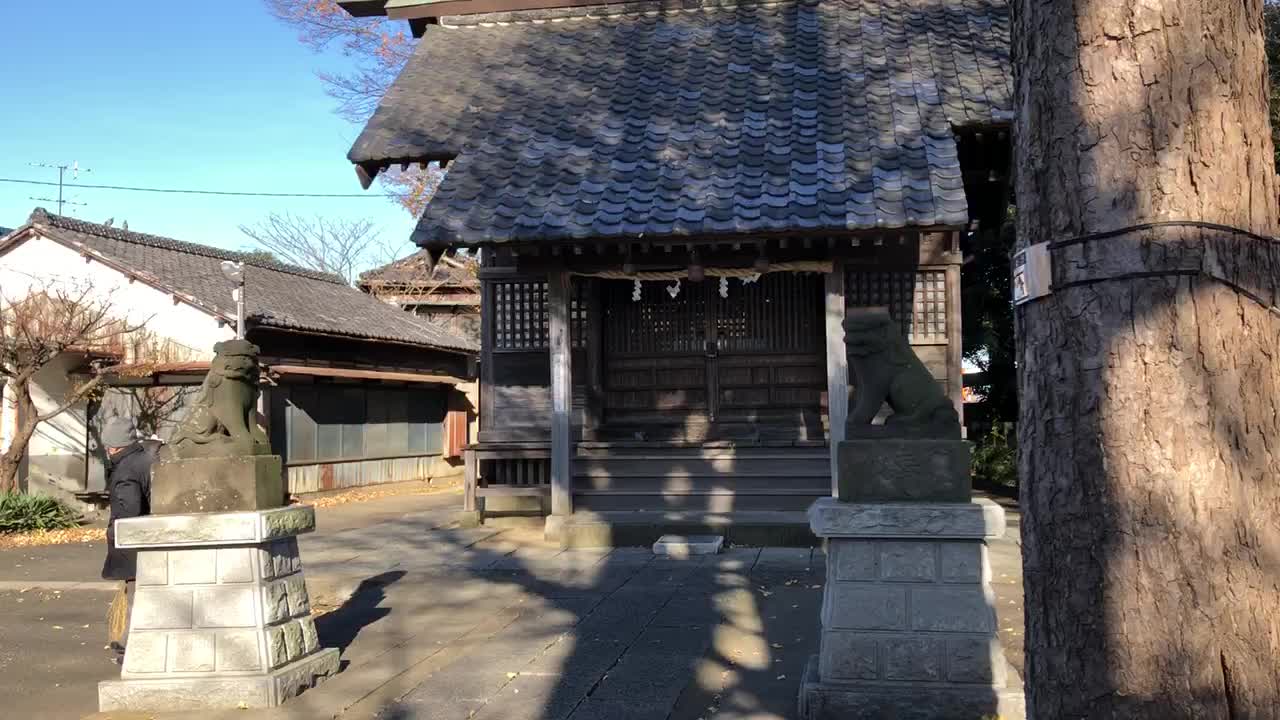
column 356, row 391
column 443, row 292
column 675, row 204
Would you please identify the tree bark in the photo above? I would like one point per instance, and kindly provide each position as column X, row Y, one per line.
column 24, row 428
column 1149, row 434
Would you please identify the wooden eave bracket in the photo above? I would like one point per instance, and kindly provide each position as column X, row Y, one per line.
column 367, row 173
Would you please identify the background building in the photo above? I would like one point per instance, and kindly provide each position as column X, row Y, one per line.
column 356, row 391
column 446, row 294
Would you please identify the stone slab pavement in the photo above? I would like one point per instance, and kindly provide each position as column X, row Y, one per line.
column 52, row 653
column 53, row 608
column 436, row 622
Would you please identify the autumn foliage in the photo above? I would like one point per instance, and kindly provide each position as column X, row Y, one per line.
column 378, row 48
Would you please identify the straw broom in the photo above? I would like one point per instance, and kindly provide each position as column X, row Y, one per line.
column 118, row 615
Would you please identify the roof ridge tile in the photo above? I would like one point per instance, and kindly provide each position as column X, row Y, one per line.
column 40, row 216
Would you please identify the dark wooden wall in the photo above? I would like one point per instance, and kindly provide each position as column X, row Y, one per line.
column 632, row 360
column 516, row 366
column 755, row 353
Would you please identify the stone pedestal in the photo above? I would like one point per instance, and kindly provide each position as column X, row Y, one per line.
column 908, row 615
column 217, row 485
column 220, row 615
column 903, row 469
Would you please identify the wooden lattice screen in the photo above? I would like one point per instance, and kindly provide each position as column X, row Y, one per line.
column 917, row 300
column 658, row 323
column 777, row 313
column 521, row 316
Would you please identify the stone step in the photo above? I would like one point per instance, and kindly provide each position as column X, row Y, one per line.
column 641, row 528
column 683, row 546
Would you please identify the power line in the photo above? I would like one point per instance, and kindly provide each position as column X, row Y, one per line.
column 182, row 191
column 62, row 171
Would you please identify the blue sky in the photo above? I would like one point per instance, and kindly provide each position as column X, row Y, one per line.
column 187, row 95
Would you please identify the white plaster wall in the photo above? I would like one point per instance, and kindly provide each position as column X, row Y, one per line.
column 57, row 449
column 39, row 262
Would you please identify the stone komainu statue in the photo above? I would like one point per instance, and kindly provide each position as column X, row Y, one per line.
column 885, row 369
column 222, row 421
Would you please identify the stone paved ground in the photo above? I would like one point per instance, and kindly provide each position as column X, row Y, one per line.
column 50, row 663
column 493, row 624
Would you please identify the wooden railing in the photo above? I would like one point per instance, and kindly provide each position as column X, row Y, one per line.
column 506, row 469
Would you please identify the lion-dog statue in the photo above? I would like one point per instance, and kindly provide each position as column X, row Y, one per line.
column 886, row 370
column 222, row 420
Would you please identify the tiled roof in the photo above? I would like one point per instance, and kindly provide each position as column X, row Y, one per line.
column 417, row 270
column 806, row 115
column 278, row 295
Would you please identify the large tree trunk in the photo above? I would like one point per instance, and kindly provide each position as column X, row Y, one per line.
column 25, row 427
column 1149, row 441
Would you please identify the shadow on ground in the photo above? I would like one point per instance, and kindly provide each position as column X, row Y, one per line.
column 340, row 626
column 512, row 628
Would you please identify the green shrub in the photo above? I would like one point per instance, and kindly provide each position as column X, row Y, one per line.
column 995, row 459
column 23, row 513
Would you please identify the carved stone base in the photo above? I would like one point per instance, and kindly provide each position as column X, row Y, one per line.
column 215, row 485
column 220, row 616
column 903, row 469
column 908, row 615
column 189, row 693
column 833, row 701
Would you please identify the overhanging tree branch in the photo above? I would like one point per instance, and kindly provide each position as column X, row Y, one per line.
column 329, row 245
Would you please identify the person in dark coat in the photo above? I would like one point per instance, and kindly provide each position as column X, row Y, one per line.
column 129, row 491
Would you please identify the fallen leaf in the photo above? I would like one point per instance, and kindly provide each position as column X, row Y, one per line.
column 362, row 494
column 53, row 537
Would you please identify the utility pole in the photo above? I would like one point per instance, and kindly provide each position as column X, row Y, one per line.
column 62, row 172
column 234, row 272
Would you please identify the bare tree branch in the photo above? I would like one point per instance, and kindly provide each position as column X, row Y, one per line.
column 81, row 392
column 378, row 49
column 35, row 330
column 328, row 245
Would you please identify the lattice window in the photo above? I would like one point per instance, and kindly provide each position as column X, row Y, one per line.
column 522, row 315
column 917, row 300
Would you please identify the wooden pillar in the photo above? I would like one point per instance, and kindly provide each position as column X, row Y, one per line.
column 559, row 294
column 487, row 310
column 955, row 347
column 471, row 472
column 837, row 363
column 592, row 343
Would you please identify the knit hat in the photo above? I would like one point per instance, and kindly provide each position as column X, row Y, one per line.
column 118, row 432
